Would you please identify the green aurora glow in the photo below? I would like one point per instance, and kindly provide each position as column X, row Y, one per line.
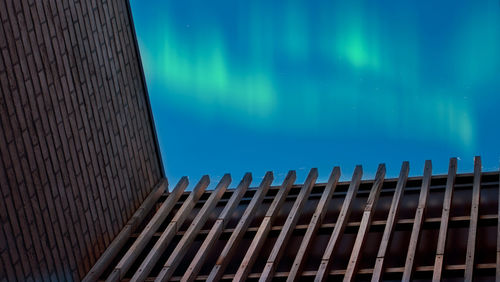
column 389, row 69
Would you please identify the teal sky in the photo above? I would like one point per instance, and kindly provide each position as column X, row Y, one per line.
column 239, row 86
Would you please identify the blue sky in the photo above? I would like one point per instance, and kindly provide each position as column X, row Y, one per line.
column 239, row 86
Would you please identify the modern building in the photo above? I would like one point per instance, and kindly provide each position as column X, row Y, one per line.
column 84, row 195
column 77, row 143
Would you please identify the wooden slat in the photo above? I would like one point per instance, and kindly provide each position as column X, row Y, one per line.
column 140, row 243
column 314, row 224
column 417, row 224
column 121, row 239
column 184, row 244
column 264, row 228
column 474, row 216
column 288, row 227
column 405, row 221
column 174, row 226
column 365, row 224
column 498, row 261
column 339, row 272
column 340, row 225
column 391, row 220
column 219, row 225
column 498, row 235
column 445, row 216
column 232, row 244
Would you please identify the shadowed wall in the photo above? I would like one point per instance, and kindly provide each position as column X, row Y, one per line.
column 77, row 144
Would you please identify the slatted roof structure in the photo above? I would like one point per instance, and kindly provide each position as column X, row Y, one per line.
column 439, row 227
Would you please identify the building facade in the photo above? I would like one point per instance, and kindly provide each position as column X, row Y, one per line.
column 77, row 144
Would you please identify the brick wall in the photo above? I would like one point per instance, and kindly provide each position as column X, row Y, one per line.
column 77, row 144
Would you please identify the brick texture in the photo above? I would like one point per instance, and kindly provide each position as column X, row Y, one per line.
column 77, row 144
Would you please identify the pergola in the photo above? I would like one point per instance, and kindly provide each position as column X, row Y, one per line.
column 427, row 227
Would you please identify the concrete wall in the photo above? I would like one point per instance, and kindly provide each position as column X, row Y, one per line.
column 77, row 144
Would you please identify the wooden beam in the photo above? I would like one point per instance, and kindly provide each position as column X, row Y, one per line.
column 264, row 228
column 405, row 221
column 391, row 220
column 219, row 225
column 341, row 272
column 445, row 217
column 474, row 216
column 184, row 244
column 314, row 224
column 365, row 224
column 417, row 224
column 140, row 243
column 288, row 227
column 236, row 236
column 340, row 225
column 121, row 239
column 167, row 235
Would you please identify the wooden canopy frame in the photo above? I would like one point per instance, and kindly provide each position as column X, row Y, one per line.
column 427, row 227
